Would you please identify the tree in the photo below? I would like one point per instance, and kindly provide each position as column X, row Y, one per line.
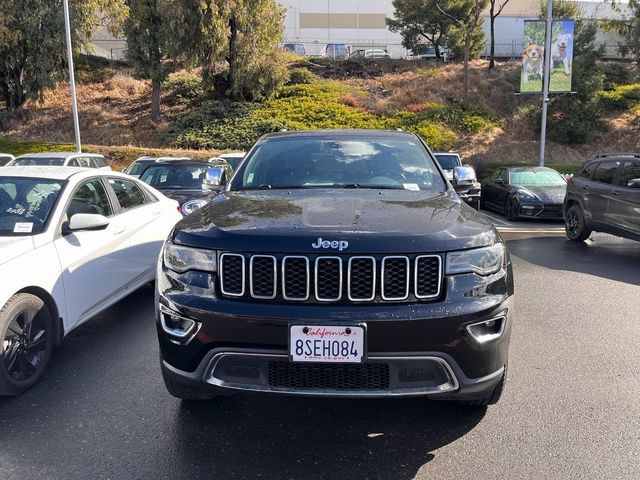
column 629, row 28
column 495, row 9
column 469, row 22
column 419, row 22
column 149, row 43
column 32, row 42
column 236, row 42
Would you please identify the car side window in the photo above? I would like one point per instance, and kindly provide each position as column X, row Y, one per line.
column 496, row 174
column 90, row 197
column 605, row 172
column 630, row 171
column 128, row 193
column 73, row 163
column 504, row 175
column 587, row 171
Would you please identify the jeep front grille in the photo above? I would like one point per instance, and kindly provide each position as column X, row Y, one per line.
column 331, row 279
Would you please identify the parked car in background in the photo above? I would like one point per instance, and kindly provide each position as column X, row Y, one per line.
column 531, row 192
column 370, row 53
column 336, row 263
column 466, row 185
column 429, row 52
column 187, row 181
column 605, row 197
column 72, row 242
column 139, row 165
column 232, row 158
column 61, row 159
column 297, row 48
column 5, row 158
column 448, row 161
column 338, row 51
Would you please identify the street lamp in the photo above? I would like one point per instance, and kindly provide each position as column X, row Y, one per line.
column 545, row 81
column 72, row 78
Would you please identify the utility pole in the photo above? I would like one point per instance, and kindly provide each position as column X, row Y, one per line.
column 545, row 81
column 72, row 77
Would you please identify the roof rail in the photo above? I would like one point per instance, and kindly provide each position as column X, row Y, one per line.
column 605, row 155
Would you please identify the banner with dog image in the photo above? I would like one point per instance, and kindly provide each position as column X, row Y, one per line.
column 533, row 56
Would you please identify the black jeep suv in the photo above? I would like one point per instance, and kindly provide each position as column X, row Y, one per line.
column 336, row 263
column 605, row 197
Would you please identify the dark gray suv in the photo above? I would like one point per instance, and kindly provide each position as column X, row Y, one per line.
column 604, row 197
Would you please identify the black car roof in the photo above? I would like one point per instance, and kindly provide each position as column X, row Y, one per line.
column 340, row 133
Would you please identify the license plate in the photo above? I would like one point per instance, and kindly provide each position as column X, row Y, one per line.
column 313, row 343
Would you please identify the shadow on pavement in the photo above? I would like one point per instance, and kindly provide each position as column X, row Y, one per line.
column 603, row 256
column 285, row 437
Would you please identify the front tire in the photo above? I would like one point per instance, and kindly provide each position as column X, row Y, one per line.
column 575, row 225
column 26, row 332
column 186, row 392
column 490, row 397
column 510, row 210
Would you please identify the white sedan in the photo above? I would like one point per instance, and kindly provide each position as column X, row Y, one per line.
column 73, row 241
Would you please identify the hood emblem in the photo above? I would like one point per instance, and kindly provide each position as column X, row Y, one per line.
column 339, row 244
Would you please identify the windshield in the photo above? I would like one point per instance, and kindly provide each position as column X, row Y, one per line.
column 536, row 177
column 25, row 204
column 175, row 176
column 44, row 161
column 448, row 162
column 135, row 168
column 327, row 162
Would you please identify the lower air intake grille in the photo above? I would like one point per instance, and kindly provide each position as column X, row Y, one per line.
column 368, row 376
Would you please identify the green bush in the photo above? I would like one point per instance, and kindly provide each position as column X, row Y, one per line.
column 437, row 136
column 301, row 75
column 623, row 97
column 183, row 89
column 615, row 74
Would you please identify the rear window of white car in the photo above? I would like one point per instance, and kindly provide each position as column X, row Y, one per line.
column 26, row 204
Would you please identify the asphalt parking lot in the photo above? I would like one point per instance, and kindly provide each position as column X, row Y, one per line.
column 570, row 410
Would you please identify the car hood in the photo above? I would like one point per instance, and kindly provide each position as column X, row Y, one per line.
column 372, row 221
column 547, row 194
column 13, row 247
column 182, row 195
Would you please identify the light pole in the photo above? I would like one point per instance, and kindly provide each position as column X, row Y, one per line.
column 72, row 77
column 545, row 81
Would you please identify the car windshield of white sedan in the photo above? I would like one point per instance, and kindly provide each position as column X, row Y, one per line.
column 25, row 204
column 39, row 161
column 175, row 176
column 323, row 162
column 537, row 177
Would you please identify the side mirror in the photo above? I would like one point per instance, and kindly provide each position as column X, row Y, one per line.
column 634, row 183
column 214, row 178
column 85, row 222
column 464, row 175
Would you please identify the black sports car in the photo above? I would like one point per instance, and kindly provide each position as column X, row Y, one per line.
column 532, row 192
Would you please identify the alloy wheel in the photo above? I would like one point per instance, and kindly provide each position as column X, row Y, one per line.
column 24, row 345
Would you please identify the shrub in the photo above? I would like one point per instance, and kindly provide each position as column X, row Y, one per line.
column 437, row 136
column 615, row 74
column 183, row 89
column 622, row 97
column 301, row 75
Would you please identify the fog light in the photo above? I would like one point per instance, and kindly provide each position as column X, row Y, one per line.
column 176, row 325
column 487, row 330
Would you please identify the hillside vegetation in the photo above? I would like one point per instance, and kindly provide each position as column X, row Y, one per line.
column 424, row 97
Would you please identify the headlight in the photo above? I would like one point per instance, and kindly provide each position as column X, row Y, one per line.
column 483, row 261
column 192, row 205
column 524, row 195
column 181, row 259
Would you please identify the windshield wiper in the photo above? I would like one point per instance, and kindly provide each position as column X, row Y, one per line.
column 374, row 187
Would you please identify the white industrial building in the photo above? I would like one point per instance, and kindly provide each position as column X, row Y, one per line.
column 361, row 23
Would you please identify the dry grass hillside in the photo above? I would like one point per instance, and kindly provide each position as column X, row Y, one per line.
column 114, row 112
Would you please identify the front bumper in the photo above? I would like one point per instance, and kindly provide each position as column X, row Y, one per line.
column 418, row 349
column 552, row 211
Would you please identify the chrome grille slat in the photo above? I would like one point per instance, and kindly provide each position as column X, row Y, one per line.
column 395, row 278
column 331, row 278
column 232, row 283
column 289, row 284
column 263, row 277
column 328, row 271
